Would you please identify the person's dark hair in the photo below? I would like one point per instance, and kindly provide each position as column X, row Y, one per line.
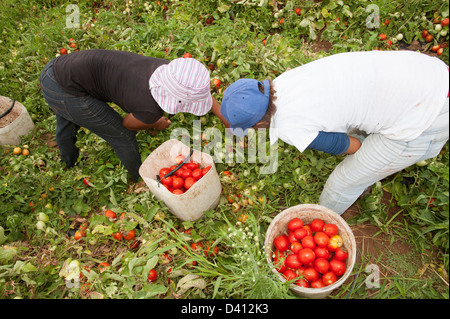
column 271, row 109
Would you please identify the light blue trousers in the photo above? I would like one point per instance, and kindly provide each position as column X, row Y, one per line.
column 378, row 158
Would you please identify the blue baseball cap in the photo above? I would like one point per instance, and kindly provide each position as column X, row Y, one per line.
column 243, row 105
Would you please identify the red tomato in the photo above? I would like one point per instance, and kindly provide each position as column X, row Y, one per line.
column 317, row 225
column 177, row 191
column 197, row 173
column 189, row 181
column 152, row 275
column 177, row 182
column 308, row 229
column 63, row 51
column 164, row 171
column 206, row 170
column 294, row 224
column 330, row 230
column 298, row 11
column 295, row 247
column 280, row 263
column 187, row 55
column 429, row 38
column 102, row 266
column 321, row 239
column 281, row 243
column 134, row 244
column 382, row 36
column 289, row 274
column 306, row 255
column 341, row 253
column 118, row 236
column 317, row 284
column 87, row 181
column 186, row 173
column 338, row 267
column 167, row 181
column 302, row 283
column 291, row 238
column 444, row 22
column 300, row 233
column 321, row 265
column 311, row 274
column 292, row 261
column 329, row 278
column 110, row 214
column 179, row 159
column 322, row 252
column 192, row 165
column 216, row 83
column 424, row 33
column 308, row 242
column 129, row 235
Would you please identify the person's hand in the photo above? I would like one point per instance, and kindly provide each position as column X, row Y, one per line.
column 162, row 123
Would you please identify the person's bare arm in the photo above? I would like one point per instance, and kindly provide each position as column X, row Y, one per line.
column 133, row 124
column 216, row 111
column 355, row 144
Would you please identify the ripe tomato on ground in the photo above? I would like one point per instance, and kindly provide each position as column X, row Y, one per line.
column 152, row 275
column 110, row 214
column 103, row 266
column 129, row 235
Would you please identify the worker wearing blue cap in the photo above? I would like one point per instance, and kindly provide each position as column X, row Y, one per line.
column 396, row 101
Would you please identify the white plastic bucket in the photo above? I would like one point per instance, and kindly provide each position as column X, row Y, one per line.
column 21, row 125
column 308, row 212
column 202, row 196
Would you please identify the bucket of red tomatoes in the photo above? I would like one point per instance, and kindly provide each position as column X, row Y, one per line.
column 312, row 247
column 185, row 179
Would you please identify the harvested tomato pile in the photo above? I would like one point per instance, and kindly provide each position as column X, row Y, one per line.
column 311, row 254
column 182, row 179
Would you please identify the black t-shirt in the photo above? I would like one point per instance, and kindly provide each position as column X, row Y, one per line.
column 111, row 76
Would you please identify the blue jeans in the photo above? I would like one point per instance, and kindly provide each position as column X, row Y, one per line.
column 378, row 158
column 73, row 112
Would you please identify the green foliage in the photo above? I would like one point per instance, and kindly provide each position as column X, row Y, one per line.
column 235, row 39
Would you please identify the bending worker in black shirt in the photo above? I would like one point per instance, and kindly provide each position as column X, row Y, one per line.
column 78, row 87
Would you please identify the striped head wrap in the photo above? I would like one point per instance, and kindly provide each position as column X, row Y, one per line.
column 183, row 85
